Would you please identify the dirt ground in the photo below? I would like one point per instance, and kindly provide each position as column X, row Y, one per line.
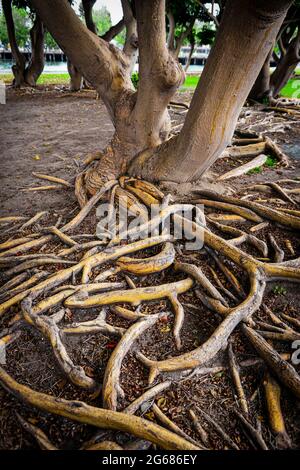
column 51, row 131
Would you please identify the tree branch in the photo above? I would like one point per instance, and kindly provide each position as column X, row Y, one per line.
column 103, row 65
column 159, row 73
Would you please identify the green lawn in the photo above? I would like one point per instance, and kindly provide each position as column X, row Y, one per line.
column 291, row 90
column 45, row 79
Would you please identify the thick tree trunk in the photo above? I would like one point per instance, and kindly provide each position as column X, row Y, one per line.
column 286, row 66
column 37, row 61
column 243, row 42
column 261, row 87
column 18, row 68
column 76, row 80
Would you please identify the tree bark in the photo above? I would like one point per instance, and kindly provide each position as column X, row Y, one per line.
column 76, row 80
column 18, row 68
column 100, row 63
column 159, row 75
column 37, row 61
column 241, row 47
column 131, row 42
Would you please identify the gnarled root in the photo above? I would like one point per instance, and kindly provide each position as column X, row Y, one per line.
column 106, row 419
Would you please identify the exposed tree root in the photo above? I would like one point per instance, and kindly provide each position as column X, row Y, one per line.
column 148, row 396
column 106, row 419
column 200, row 430
column 218, row 429
column 111, row 386
column 273, row 392
column 254, row 432
column 221, row 288
column 38, row 434
column 237, row 380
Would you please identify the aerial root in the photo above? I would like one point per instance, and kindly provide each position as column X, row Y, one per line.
column 234, row 369
column 106, row 419
column 272, row 394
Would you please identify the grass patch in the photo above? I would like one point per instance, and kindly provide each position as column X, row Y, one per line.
column 291, row 90
column 45, row 78
column 271, row 161
column 254, row 171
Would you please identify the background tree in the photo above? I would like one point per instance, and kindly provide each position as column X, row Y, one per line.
column 246, row 33
column 285, row 52
column 201, row 36
column 22, row 28
column 17, row 32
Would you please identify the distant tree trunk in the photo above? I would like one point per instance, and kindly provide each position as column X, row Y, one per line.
column 37, row 61
column 76, row 81
column 189, row 59
column 286, row 66
column 242, row 44
column 261, row 87
column 18, row 68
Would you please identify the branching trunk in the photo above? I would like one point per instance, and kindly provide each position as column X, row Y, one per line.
column 19, row 67
column 37, row 61
column 131, row 43
column 261, row 87
column 226, row 81
column 286, row 66
column 159, row 75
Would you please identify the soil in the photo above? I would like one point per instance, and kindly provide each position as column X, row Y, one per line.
column 51, row 131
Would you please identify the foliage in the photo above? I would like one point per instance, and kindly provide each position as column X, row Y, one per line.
column 279, row 290
column 135, row 79
column 271, row 161
column 257, row 169
column 50, row 43
column 206, row 35
column 102, row 20
column 22, row 28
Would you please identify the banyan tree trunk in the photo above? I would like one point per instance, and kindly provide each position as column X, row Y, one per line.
column 37, row 61
column 75, row 77
column 18, row 68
